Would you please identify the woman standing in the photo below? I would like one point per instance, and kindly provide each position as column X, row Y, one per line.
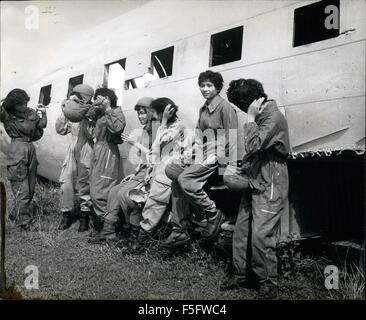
column 23, row 125
column 105, row 162
column 74, row 177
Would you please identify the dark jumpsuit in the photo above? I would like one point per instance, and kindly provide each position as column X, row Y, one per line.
column 262, row 203
column 105, row 161
column 23, row 128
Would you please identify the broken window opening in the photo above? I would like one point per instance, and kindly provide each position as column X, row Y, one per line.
column 74, row 82
column 226, row 46
column 114, row 76
column 141, row 82
column 310, row 22
column 162, row 62
column 114, row 72
column 45, row 95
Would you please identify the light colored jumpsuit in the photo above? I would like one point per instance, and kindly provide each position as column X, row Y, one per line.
column 104, row 170
column 74, row 177
column 118, row 200
column 23, row 128
column 169, row 142
column 265, row 195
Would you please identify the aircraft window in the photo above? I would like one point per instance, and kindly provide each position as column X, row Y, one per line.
column 141, row 82
column 74, row 82
column 226, row 46
column 162, row 62
column 315, row 22
column 45, row 95
column 114, row 73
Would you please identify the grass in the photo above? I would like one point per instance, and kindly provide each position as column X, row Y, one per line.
column 70, row 268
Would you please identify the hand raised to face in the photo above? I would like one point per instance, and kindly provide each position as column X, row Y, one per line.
column 256, row 107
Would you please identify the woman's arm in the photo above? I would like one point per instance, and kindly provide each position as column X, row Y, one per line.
column 62, row 125
column 133, row 141
column 116, row 120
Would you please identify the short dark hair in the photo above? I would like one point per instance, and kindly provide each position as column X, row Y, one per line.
column 15, row 97
column 159, row 105
column 214, row 77
column 105, row 92
column 243, row 92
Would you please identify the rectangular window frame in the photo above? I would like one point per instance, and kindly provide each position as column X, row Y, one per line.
column 45, row 95
column 74, row 81
column 240, row 30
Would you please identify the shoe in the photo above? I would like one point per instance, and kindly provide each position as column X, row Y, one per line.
column 214, row 223
column 177, row 238
column 84, row 221
column 123, row 243
column 235, row 281
column 142, row 240
column 268, row 290
column 97, row 224
column 108, row 233
column 66, row 221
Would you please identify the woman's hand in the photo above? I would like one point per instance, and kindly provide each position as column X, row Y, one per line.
column 41, row 110
column 102, row 101
column 168, row 113
column 129, row 138
column 255, row 109
column 74, row 98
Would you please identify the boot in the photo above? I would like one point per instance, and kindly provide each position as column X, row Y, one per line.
column 268, row 290
column 84, row 221
column 235, row 281
column 214, row 222
column 108, row 233
column 141, row 241
column 66, row 221
column 97, row 224
column 124, row 237
column 134, row 233
column 177, row 238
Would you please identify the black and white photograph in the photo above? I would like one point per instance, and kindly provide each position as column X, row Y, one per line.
column 182, row 155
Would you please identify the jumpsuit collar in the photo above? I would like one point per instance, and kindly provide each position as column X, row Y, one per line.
column 214, row 103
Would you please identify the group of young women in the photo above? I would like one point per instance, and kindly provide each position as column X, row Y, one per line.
column 172, row 172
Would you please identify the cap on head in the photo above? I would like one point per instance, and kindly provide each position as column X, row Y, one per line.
column 145, row 102
column 84, row 89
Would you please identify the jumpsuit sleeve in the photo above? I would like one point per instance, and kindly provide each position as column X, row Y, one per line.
column 62, row 125
column 40, row 125
column 197, row 143
column 259, row 137
column 87, row 130
column 164, row 136
column 229, row 122
column 42, row 122
column 116, row 121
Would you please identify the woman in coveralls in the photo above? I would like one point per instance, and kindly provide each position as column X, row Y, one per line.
column 23, row 125
column 216, row 124
column 263, row 181
column 74, row 177
column 168, row 144
column 118, row 202
column 105, row 162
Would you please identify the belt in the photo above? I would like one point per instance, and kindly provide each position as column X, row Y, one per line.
column 22, row 139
